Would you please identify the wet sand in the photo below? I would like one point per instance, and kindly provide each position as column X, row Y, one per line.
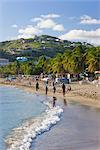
column 79, row 129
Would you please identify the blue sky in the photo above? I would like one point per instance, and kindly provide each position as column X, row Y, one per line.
column 76, row 20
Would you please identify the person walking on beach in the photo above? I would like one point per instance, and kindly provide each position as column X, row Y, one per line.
column 37, row 85
column 47, row 82
column 54, row 89
column 46, row 89
column 53, row 83
column 63, row 89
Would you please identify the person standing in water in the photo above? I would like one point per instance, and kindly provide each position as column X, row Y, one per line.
column 63, row 89
column 54, row 101
column 65, row 102
column 37, row 85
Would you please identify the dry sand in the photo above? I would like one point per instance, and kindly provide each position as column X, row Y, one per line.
column 86, row 94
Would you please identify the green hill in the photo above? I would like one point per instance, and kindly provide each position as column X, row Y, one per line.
column 40, row 45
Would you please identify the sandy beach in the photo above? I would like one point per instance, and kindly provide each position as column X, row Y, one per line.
column 79, row 126
column 86, row 94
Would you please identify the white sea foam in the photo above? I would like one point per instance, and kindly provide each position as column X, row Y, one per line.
column 22, row 137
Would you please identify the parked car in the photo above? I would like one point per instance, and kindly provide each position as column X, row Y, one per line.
column 62, row 80
column 10, row 78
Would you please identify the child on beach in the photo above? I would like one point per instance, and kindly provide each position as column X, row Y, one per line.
column 68, row 88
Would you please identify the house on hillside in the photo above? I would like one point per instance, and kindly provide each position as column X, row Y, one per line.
column 23, row 51
column 4, row 61
column 43, row 42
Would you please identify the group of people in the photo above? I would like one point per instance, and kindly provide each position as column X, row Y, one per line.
column 54, row 89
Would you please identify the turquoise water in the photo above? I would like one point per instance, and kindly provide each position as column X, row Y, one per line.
column 17, row 106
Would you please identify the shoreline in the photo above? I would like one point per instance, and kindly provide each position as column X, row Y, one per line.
column 64, row 127
column 70, row 96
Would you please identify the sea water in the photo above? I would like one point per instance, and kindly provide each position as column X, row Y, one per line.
column 24, row 116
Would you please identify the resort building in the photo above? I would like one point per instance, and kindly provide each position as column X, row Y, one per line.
column 21, row 59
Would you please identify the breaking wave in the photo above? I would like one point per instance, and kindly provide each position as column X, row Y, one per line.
column 22, row 137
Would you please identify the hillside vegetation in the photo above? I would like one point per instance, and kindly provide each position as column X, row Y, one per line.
column 40, row 45
column 47, row 54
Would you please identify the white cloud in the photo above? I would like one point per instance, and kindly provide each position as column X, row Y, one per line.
column 14, row 26
column 28, row 32
column 42, row 22
column 92, row 36
column 47, row 24
column 58, row 27
column 50, row 24
column 89, row 20
column 42, row 17
column 50, row 16
column 25, row 36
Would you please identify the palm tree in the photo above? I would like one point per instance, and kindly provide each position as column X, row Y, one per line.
column 93, row 59
column 74, row 60
column 57, row 64
column 67, row 60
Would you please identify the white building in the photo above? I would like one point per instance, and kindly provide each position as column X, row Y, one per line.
column 4, row 61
